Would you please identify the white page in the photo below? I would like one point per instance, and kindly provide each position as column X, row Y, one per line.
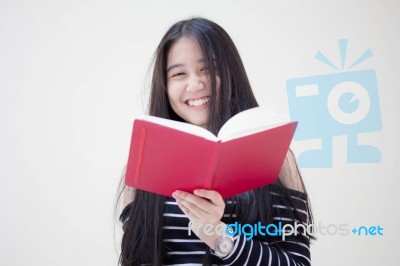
column 251, row 121
column 242, row 124
column 181, row 126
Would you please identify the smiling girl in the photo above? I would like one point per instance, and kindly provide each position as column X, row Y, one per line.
column 200, row 79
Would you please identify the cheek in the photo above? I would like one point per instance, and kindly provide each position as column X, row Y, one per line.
column 173, row 94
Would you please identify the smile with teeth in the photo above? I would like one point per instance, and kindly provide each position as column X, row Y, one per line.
column 198, row 102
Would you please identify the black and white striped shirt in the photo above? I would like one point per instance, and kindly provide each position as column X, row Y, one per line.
column 185, row 248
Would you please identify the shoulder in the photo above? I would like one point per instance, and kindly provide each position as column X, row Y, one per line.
column 290, row 175
column 128, row 195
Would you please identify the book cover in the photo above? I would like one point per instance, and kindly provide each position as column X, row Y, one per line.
column 163, row 159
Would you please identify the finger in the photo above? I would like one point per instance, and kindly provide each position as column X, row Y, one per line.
column 187, row 211
column 179, row 194
column 195, row 210
column 200, row 202
column 211, row 195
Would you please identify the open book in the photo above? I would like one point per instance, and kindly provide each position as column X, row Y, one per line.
column 248, row 153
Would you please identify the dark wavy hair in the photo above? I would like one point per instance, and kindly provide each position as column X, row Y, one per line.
column 142, row 238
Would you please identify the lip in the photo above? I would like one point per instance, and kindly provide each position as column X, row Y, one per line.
column 198, row 98
column 202, row 106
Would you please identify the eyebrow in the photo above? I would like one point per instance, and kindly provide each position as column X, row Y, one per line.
column 173, row 66
column 180, row 65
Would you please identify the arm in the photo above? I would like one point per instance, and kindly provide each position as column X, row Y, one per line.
column 288, row 250
column 294, row 250
column 252, row 252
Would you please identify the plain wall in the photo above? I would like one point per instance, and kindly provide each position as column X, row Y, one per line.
column 73, row 76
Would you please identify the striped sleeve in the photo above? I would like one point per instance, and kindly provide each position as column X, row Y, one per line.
column 291, row 250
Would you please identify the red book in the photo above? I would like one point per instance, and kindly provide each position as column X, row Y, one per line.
column 248, row 153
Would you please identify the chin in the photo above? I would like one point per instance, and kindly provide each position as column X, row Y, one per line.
column 200, row 124
column 197, row 122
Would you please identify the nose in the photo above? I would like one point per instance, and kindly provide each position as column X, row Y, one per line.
column 195, row 83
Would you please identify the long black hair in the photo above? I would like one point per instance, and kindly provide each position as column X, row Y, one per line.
column 142, row 238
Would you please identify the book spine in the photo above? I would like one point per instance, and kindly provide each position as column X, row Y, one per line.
column 213, row 166
column 139, row 156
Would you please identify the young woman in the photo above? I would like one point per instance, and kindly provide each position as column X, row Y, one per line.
column 199, row 78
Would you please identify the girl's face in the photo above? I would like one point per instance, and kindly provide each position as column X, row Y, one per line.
column 188, row 82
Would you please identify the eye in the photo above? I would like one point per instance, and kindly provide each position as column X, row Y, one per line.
column 178, row 74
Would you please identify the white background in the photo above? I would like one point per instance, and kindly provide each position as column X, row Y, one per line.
column 73, row 77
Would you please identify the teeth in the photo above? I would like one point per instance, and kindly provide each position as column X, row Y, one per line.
column 198, row 102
